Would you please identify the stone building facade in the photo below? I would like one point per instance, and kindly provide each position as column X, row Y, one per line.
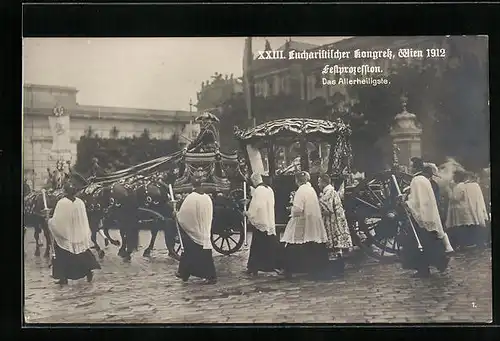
column 39, row 102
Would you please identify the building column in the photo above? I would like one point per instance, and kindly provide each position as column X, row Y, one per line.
column 406, row 136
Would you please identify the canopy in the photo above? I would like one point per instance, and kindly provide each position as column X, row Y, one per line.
column 206, row 116
column 291, row 127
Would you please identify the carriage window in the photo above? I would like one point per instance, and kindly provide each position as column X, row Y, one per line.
column 319, row 153
column 280, row 158
column 287, row 158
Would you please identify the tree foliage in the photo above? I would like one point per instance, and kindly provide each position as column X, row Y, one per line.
column 115, row 154
column 449, row 97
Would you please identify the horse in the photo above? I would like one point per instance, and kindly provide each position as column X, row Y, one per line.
column 149, row 205
column 34, row 215
column 152, row 196
column 122, row 209
column 96, row 204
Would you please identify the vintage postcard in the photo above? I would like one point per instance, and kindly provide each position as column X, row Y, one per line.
column 257, row 180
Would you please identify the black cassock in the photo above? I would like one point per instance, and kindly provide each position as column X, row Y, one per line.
column 433, row 251
column 67, row 265
column 195, row 261
column 264, row 252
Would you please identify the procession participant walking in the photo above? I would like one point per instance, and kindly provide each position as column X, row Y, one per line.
column 72, row 239
column 305, row 236
column 265, row 244
column 430, row 172
column 429, row 230
column 461, row 218
column 337, row 230
column 466, row 212
column 195, row 222
column 478, row 208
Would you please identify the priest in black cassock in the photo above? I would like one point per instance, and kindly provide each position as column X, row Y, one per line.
column 264, row 248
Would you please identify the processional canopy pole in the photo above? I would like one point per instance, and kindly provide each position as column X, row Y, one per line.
column 174, row 202
column 245, row 224
column 408, row 214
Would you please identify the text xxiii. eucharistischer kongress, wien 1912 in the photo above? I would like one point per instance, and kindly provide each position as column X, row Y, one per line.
column 341, row 73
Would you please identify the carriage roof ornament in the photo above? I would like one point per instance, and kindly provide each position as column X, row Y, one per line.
column 207, row 116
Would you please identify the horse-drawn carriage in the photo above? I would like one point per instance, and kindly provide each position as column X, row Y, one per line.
column 138, row 197
column 281, row 147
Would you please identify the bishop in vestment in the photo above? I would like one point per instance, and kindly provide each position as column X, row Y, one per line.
column 337, row 229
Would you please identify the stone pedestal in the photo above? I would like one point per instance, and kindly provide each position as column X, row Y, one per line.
column 406, row 135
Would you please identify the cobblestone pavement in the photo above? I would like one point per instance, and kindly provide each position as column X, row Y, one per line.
column 146, row 291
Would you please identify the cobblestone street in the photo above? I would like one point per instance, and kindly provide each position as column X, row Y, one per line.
column 146, row 291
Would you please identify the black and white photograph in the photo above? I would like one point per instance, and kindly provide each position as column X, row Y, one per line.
column 256, row 180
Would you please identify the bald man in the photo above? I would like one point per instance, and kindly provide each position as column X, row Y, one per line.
column 305, row 235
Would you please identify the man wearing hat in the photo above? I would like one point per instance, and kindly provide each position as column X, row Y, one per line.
column 424, row 213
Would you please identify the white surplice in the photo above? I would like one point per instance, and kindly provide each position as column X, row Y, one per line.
column 195, row 218
column 466, row 206
column 477, row 204
column 306, row 223
column 70, row 226
column 260, row 212
column 423, row 205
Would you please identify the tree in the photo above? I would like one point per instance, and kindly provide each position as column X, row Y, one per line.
column 267, row 47
column 448, row 95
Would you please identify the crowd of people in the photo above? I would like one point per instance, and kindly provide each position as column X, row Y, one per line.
column 434, row 235
column 316, row 235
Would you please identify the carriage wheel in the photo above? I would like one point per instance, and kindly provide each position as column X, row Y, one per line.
column 375, row 219
column 228, row 240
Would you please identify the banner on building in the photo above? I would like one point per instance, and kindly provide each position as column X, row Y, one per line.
column 61, row 137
